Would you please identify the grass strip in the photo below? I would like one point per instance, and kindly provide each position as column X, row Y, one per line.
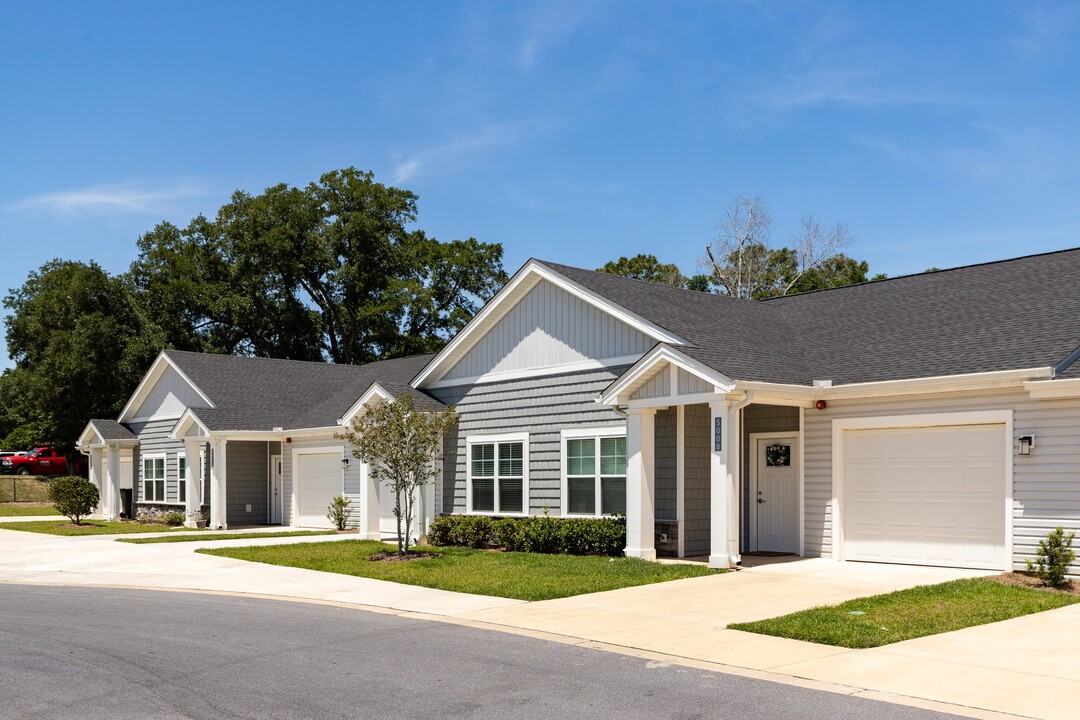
column 522, row 576
column 88, row 527
column 906, row 614
column 222, row 536
column 25, row 510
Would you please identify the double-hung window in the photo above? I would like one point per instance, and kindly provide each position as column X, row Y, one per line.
column 181, row 478
column 594, row 471
column 154, row 478
column 499, row 474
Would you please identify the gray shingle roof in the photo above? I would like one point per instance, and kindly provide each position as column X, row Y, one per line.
column 261, row 394
column 1006, row 315
column 112, row 430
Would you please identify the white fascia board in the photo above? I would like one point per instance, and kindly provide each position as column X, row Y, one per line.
column 641, row 371
column 581, row 366
column 945, row 383
column 147, row 383
column 524, row 280
column 1053, row 388
column 375, row 390
column 94, row 436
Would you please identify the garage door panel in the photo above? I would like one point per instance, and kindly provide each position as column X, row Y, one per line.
column 319, row 480
column 933, row 495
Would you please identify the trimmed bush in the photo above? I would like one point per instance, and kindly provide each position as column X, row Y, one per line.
column 338, row 512
column 173, row 518
column 73, row 496
column 1054, row 556
column 535, row 534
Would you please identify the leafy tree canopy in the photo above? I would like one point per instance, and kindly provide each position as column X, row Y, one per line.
column 646, row 267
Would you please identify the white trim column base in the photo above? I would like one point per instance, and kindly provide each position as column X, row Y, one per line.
column 640, row 483
column 719, row 562
column 193, row 484
column 369, row 505
column 643, row 553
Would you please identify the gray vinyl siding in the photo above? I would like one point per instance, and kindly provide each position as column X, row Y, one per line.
column 247, row 471
column 169, row 397
column 690, row 383
column 659, row 385
column 667, row 451
column 546, row 328
column 758, row 419
column 1046, row 484
column 542, row 407
column 696, row 482
column 154, row 440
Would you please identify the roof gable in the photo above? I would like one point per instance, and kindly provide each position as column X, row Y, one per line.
column 165, row 391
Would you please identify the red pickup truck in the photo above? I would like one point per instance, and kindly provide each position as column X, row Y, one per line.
column 40, row 461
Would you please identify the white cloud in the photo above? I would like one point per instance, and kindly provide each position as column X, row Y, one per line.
column 1046, row 27
column 459, row 150
column 123, row 197
column 547, row 27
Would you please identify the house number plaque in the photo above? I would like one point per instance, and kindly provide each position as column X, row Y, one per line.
column 718, row 434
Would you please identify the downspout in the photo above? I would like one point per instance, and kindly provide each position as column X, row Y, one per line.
column 614, row 408
column 736, row 507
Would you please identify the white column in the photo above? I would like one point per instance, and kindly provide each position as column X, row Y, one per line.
column 218, row 519
column 719, row 486
column 734, row 441
column 640, row 483
column 193, row 509
column 112, row 484
column 97, row 476
column 369, row 505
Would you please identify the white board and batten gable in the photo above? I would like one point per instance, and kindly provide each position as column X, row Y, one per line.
column 542, row 323
column 164, row 393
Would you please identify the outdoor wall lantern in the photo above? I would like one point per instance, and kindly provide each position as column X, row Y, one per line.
column 344, row 462
column 1026, row 443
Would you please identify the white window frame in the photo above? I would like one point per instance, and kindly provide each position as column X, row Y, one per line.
column 597, row 433
column 496, row 440
column 181, row 478
column 164, row 477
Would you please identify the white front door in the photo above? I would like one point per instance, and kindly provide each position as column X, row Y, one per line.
column 777, row 493
column 275, row 490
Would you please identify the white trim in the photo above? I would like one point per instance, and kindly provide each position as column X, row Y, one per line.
column 753, row 485
column 179, row 456
column 580, row 366
column 374, row 390
column 498, row 439
column 585, row 433
column 296, row 454
column 143, row 457
column 1054, row 388
column 983, row 417
column 188, row 418
column 150, row 379
column 638, row 374
column 527, row 277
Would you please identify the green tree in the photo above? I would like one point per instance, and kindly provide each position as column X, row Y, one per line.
column 330, row 271
column 81, row 342
column 646, row 267
column 402, row 448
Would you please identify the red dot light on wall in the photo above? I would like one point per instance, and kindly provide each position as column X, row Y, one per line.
column 821, row 404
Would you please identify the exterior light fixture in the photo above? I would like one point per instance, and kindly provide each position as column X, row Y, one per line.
column 1026, row 443
column 344, row 462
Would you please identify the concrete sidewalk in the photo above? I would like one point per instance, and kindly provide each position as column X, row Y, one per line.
column 1024, row 667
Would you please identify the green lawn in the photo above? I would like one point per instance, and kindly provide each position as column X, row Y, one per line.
column 88, row 527
column 25, row 509
column 523, row 576
column 905, row 614
column 24, row 488
column 223, row 536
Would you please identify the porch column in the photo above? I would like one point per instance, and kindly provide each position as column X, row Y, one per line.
column 218, row 519
column 369, row 505
column 193, row 508
column 98, row 478
column 112, row 484
column 640, row 483
column 720, row 486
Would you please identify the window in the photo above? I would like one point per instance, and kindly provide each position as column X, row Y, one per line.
column 498, row 478
column 181, row 478
column 594, row 472
column 154, row 479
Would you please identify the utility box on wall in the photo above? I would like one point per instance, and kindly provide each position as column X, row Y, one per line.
column 667, row 538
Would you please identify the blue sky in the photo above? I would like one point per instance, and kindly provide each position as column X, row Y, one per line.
column 941, row 133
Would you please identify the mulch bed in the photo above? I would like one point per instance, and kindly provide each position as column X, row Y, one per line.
column 394, row 557
column 1024, row 579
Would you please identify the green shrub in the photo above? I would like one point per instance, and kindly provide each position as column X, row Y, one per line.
column 73, row 496
column 173, row 518
column 535, row 534
column 1054, row 556
column 338, row 512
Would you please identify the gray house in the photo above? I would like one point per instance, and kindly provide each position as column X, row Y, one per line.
column 931, row 419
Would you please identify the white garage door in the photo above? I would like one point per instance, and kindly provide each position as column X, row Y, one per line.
column 926, row 496
column 318, row 482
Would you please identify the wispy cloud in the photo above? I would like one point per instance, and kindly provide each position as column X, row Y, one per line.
column 440, row 158
column 1046, row 27
column 554, row 22
column 122, row 197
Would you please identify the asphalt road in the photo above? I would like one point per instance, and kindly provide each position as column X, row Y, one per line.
column 115, row 654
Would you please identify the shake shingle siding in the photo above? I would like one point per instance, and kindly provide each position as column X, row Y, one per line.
column 697, row 526
column 666, row 449
column 246, row 476
column 542, row 407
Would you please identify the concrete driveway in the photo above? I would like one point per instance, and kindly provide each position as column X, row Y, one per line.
column 1025, row 667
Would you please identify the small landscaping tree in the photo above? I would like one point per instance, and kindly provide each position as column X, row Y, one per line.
column 1054, row 556
column 73, row 496
column 402, row 446
column 338, row 511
